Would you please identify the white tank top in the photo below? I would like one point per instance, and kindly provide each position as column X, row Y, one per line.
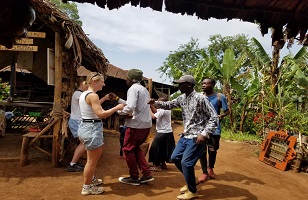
column 85, row 109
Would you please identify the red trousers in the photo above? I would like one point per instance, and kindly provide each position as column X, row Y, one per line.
column 133, row 154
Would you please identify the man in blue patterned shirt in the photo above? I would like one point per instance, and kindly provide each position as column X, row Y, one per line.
column 200, row 121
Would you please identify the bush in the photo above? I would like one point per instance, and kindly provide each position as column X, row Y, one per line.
column 177, row 114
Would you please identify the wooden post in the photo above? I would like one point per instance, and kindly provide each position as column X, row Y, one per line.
column 13, row 78
column 57, row 108
column 150, row 86
column 24, row 151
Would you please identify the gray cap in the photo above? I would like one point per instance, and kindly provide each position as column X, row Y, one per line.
column 186, row 78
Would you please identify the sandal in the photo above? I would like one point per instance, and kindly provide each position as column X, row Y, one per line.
column 155, row 169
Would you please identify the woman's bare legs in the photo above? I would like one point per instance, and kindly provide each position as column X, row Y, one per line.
column 92, row 159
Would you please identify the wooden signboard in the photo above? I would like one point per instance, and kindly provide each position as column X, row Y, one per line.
column 25, row 41
column 36, row 34
column 20, row 48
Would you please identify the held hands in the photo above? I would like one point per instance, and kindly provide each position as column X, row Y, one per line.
column 120, row 106
column 112, row 96
column 151, row 101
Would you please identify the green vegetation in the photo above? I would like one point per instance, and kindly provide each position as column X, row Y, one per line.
column 4, row 90
column 70, row 9
column 229, row 135
column 177, row 114
column 263, row 92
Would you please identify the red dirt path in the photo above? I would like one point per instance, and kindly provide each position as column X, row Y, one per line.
column 240, row 176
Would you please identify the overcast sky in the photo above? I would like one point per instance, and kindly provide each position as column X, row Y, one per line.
column 134, row 37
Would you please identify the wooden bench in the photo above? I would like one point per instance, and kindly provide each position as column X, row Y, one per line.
column 26, row 144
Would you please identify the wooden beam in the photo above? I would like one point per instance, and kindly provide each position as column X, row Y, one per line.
column 20, row 48
column 150, row 86
column 43, row 131
column 57, row 108
column 9, row 159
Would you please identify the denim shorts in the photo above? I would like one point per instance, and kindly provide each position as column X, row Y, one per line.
column 73, row 124
column 91, row 134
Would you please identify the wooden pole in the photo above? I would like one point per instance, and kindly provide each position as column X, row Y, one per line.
column 12, row 78
column 150, row 85
column 57, row 108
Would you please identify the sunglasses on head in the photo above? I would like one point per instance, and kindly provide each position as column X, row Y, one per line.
column 97, row 74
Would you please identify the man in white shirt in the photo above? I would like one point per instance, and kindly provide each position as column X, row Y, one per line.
column 138, row 128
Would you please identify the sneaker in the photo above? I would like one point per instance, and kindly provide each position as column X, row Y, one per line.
column 92, row 190
column 129, row 180
column 74, row 168
column 203, row 178
column 97, row 181
column 80, row 165
column 212, row 175
column 146, row 179
column 188, row 195
column 184, row 189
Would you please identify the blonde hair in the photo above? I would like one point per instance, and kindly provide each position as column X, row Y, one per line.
column 94, row 76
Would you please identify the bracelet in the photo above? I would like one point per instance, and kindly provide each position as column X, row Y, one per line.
column 117, row 98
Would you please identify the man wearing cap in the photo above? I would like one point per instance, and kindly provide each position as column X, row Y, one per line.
column 138, row 128
column 200, row 121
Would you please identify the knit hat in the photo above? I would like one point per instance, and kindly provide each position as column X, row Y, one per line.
column 134, row 75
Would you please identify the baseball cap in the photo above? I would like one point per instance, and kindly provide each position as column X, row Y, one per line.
column 186, row 78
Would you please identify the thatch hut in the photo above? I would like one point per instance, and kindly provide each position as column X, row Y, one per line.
column 57, row 48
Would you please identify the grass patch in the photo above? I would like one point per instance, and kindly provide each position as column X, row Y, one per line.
column 229, row 135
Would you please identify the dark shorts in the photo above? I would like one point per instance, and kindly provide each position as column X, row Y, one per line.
column 213, row 142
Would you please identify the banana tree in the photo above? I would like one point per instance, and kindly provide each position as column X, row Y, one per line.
column 226, row 73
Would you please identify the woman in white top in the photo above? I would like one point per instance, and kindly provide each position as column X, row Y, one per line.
column 73, row 124
column 90, row 129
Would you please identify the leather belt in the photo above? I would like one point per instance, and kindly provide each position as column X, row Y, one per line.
column 91, row 120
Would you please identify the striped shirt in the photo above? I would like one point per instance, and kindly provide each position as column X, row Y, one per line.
column 198, row 114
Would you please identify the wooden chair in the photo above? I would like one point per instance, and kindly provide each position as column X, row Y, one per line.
column 29, row 139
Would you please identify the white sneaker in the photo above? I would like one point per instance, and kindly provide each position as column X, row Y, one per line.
column 92, row 190
column 184, row 189
column 187, row 195
column 97, row 181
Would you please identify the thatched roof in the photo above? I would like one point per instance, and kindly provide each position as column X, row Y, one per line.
column 284, row 16
column 84, row 50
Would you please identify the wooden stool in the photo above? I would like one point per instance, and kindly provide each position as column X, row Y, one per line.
column 25, row 146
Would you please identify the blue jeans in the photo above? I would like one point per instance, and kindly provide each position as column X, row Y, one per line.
column 185, row 157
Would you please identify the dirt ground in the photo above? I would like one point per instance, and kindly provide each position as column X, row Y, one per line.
column 240, row 176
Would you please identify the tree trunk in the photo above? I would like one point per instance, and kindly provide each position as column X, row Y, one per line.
column 227, row 92
column 243, row 116
column 275, row 70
